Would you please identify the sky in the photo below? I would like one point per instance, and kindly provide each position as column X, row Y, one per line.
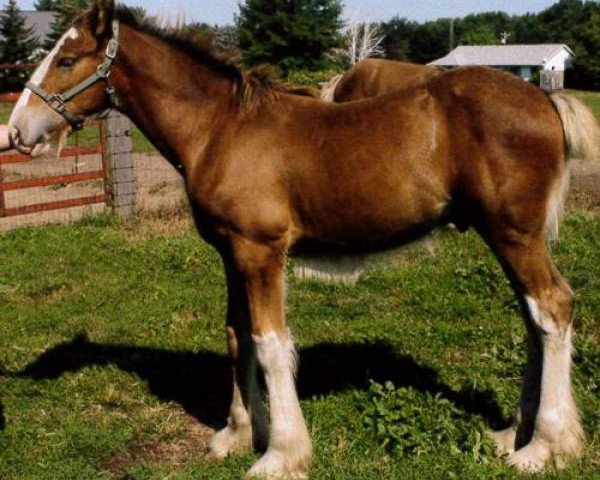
column 222, row 11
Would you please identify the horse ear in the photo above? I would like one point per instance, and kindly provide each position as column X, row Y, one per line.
column 105, row 10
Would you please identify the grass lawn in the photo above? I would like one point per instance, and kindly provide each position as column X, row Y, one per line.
column 112, row 352
column 591, row 99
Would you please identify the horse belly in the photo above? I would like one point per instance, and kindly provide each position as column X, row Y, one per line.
column 371, row 221
column 339, row 250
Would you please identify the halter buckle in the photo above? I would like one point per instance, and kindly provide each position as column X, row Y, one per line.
column 56, row 103
column 112, row 48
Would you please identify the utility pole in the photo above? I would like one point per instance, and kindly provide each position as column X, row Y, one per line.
column 451, row 39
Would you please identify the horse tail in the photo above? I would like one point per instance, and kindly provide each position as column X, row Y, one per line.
column 328, row 89
column 582, row 138
column 582, row 133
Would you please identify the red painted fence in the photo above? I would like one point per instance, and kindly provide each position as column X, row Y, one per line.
column 64, row 179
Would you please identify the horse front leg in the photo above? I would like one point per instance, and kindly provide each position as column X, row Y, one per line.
column 246, row 425
column 289, row 449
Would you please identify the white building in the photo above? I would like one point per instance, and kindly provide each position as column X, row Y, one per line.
column 522, row 60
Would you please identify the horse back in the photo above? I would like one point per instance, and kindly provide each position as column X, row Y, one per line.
column 372, row 77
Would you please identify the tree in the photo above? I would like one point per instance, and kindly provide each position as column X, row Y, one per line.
column 482, row 28
column 139, row 12
column 293, row 34
column 362, row 40
column 431, row 41
column 45, row 5
column 66, row 11
column 482, row 35
column 17, row 45
column 227, row 37
column 398, row 35
column 586, row 73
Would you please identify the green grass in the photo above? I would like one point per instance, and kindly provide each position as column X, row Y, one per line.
column 591, row 99
column 106, row 332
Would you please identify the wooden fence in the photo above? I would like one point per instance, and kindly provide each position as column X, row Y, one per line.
column 74, row 152
column 90, row 173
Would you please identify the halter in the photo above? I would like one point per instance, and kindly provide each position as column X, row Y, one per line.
column 57, row 101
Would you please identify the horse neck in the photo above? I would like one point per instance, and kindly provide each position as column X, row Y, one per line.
column 173, row 99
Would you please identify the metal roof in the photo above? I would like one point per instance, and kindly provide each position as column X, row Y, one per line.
column 39, row 21
column 502, row 55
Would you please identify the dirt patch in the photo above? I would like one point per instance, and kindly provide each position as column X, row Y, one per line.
column 585, row 186
column 155, row 450
column 159, row 187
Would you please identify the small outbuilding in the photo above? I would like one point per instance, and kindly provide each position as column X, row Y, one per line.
column 550, row 60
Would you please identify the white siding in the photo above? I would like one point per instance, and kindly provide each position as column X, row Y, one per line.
column 560, row 61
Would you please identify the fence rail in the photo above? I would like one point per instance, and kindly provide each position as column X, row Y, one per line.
column 63, row 179
column 66, row 152
column 94, row 171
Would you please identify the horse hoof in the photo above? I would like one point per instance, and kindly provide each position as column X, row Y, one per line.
column 504, row 440
column 229, row 441
column 273, row 466
column 531, row 458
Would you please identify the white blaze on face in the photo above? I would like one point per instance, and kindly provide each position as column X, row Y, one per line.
column 19, row 118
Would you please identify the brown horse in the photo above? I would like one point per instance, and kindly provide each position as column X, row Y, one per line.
column 373, row 76
column 269, row 174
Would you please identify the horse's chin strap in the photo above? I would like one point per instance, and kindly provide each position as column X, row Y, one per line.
column 58, row 101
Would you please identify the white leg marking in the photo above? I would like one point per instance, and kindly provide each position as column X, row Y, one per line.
column 236, row 437
column 558, row 431
column 290, row 450
column 504, row 440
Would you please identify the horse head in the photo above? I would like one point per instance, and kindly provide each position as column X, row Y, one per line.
column 70, row 84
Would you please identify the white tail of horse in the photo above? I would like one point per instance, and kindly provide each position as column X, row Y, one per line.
column 328, row 90
column 582, row 133
column 582, row 138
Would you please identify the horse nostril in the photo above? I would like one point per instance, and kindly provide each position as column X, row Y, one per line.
column 14, row 138
column 13, row 135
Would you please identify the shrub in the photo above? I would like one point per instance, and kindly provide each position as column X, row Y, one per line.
column 409, row 422
column 305, row 77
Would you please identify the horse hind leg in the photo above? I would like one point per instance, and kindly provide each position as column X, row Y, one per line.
column 548, row 424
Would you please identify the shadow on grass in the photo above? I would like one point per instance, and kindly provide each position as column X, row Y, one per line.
column 200, row 382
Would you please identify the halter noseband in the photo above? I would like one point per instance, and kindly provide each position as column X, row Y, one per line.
column 57, row 101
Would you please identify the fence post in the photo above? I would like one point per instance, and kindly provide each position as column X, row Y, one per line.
column 120, row 155
column 2, row 200
column 552, row 80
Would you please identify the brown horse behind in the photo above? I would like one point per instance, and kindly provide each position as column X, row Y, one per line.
column 373, row 76
column 270, row 174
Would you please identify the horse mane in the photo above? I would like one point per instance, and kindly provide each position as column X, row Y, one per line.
column 261, row 84
column 254, row 87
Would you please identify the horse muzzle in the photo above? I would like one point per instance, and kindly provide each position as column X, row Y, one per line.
column 5, row 138
column 14, row 140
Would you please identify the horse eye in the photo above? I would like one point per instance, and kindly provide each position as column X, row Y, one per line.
column 66, row 62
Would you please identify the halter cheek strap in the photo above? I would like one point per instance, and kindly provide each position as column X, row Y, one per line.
column 58, row 101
